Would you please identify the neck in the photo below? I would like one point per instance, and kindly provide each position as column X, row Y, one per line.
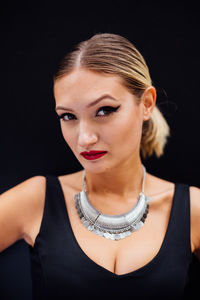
column 123, row 181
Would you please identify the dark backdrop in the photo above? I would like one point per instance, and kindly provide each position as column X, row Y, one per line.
column 34, row 38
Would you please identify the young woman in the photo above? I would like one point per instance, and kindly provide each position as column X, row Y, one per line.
column 111, row 229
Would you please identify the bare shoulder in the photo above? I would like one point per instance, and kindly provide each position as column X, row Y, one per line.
column 195, row 218
column 33, row 208
column 159, row 188
column 195, row 198
column 72, row 180
column 18, row 208
column 166, row 188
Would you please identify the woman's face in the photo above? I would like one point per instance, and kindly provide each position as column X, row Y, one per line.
column 112, row 124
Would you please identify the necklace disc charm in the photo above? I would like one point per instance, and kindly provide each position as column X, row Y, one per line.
column 107, row 227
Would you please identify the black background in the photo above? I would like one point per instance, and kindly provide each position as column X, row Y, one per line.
column 33, row 39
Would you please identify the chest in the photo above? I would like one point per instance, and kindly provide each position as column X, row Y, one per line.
column 126, row 255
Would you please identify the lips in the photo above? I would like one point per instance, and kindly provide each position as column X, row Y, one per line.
column 93, row 154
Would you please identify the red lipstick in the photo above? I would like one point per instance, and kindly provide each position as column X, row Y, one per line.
column 93, row 154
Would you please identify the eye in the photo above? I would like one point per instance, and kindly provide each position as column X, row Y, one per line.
column 63, row 115
column 107, row 111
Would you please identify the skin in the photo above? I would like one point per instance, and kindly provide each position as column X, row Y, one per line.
column 114, row 181
column 118, row 173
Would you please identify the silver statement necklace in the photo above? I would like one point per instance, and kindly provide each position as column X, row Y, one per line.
column 112, row 227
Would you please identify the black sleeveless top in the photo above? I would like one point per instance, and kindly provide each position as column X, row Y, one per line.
column 61, row 270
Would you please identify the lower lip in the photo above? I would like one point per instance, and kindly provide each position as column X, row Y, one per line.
column 91, row 157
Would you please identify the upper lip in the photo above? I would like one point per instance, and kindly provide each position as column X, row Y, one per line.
column 92, row 152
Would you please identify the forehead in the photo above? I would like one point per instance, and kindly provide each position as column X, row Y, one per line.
column 89, row 84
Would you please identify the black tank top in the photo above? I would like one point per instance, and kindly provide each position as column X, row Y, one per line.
column 61, row 270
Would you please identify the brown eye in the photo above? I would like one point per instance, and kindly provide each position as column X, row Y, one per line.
column 108, row 110
column 65, row 114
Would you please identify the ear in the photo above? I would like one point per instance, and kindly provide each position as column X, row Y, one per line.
column 148, row 101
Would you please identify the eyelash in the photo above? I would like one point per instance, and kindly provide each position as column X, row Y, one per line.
column 109, row 109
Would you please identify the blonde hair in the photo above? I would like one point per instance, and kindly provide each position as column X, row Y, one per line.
column 114, row 54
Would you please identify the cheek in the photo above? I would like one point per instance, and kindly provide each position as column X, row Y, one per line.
column 67, row 136
column 127, row 129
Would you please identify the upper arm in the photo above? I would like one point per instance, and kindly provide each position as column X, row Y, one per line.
column 195, row 219
column 19, row 206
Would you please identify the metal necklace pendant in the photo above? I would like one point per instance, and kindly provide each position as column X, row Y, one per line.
column 111, row 227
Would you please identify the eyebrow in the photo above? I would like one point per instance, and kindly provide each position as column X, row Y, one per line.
column 90, row 104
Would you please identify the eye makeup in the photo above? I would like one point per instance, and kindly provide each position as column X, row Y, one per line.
column 108, row 109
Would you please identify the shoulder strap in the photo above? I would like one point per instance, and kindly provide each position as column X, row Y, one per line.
column 180, row 218
column 53, row 208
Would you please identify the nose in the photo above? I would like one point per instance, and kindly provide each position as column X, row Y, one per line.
column 86, row 136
